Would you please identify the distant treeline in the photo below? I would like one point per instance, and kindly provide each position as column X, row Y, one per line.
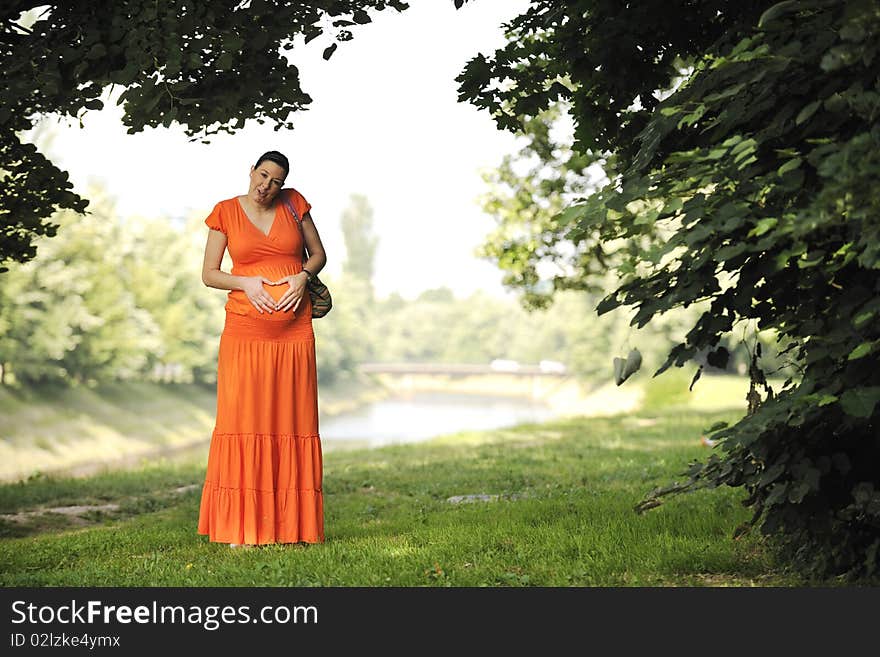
column 109, row 299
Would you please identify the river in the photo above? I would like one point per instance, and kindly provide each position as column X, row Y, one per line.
column 394, row 420
column 423, row 415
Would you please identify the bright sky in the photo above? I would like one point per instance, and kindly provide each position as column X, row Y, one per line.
column 384, row 122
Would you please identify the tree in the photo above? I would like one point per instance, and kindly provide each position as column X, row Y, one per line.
column 69, row 315
column 529, row 237
column 747, row 149
column 347, row 340
column 526, row 195
column 360, row 240
column 160, row 260
column 209, row 66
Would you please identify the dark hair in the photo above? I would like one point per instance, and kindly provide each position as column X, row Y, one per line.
column 277, row 158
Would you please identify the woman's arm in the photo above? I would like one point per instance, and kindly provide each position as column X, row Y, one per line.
column 212, row 276
column 317, row 256
column 292, row 297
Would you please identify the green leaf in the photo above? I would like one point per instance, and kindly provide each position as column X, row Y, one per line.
column 570, row 214
column 225, row 60
column 646, row 218
column 97, row 51
column 730, row 251
column 742, row 45
column 860, row 402
column 763, row 226
column 633, row 363
column 617, row 365
column 862, row 492
column 861, row 351
column 169, row 116
column 771, row 474
column 151, row 104
column 696, row 377
column 745, row 146
column 693, row 117
column 786, row 152
column 862, row 318
column 673, row 205
column 778, row 10
column 835, row 103
column 312, row 32
column 806, row 261
column 742, row 165
column 727, row 93
column 718, row 358
column 853, row 31
column 329, row 50
column 361, row 17
column 777, row 493
column 792, row 164
column 798, row 492
column 808, row 111
column 607, row 304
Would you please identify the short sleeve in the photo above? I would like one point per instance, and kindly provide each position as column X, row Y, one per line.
column 299, row 202
column 215, row 219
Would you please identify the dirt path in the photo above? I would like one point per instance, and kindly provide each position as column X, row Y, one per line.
column 74, row 515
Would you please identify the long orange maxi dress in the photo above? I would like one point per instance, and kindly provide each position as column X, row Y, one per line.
column 263, row 481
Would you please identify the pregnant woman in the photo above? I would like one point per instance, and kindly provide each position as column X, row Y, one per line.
column 263, row 481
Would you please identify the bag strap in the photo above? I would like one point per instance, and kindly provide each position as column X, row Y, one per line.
column 295, row 214
column 292, row 209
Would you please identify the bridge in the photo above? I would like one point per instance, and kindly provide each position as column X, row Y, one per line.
column 457, row 369
column 503, row 378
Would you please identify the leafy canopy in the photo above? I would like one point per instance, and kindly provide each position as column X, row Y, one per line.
column 209, row 66
column 746, row 152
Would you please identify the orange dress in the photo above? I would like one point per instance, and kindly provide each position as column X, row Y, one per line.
column 263, row 481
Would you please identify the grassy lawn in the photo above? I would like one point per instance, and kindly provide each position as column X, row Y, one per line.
column 553, row 507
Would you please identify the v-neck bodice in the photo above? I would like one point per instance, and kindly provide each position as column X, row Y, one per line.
column 275, row 254
column 276, row 206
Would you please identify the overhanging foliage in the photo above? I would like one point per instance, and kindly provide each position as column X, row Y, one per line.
column 751, row 186
column 209, row 66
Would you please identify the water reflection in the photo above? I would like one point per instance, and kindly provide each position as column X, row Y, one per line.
column 420, row 416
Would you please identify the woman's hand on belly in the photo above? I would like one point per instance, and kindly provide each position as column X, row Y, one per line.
column 292, row 295
column 258, row 294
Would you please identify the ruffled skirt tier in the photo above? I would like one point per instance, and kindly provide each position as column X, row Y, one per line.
column 264, row 475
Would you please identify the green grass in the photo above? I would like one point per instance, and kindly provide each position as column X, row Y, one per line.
column 564, row 517
column 561, row 513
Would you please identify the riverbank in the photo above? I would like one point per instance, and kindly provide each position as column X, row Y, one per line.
column 80, row 431
column 565, row 396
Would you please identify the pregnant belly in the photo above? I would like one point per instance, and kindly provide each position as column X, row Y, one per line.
column 241, row 304
column 244, row 304
column 276, row 291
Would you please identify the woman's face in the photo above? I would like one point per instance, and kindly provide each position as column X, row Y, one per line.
column 267, row 179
